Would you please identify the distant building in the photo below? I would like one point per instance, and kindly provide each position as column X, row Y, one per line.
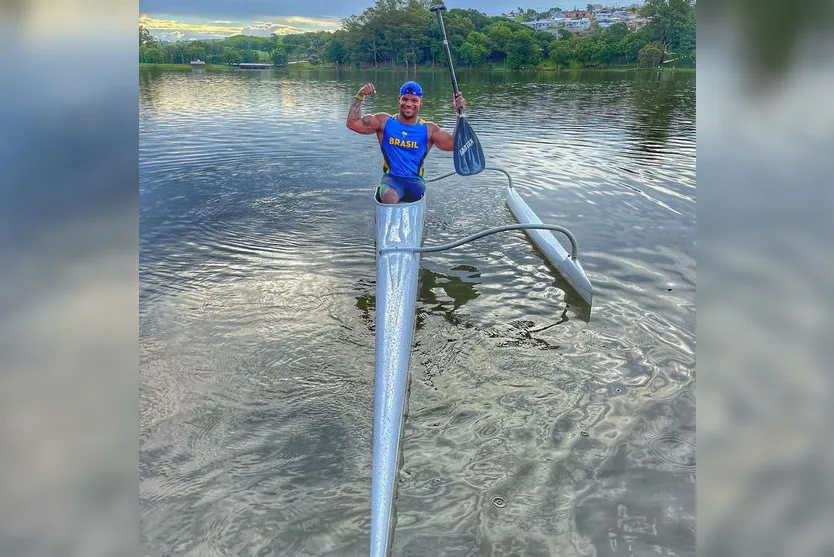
column 577, row 14
column 578, row 21
column 548, row 25
column 607, row 18
column 578, row 25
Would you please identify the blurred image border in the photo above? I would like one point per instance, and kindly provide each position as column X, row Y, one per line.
column 69, row 324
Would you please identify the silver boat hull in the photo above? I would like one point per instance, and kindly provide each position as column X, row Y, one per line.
column 397, row 273
column 570, row 269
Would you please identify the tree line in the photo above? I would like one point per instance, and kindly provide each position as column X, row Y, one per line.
column 396, row 33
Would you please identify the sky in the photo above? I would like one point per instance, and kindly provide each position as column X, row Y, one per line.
column 173, row 20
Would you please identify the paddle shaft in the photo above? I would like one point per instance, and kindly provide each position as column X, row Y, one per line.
column 468, row 155
column 437, row 9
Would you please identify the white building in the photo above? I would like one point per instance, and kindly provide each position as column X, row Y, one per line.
column 607, row 19
column 553, row 25
column 578, row 25
column 549, row 25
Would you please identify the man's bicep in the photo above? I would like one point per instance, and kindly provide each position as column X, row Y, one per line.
column 366, row 124
column 369, row 123
column 442, row 139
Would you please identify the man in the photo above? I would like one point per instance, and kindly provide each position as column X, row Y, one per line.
column 405, row 140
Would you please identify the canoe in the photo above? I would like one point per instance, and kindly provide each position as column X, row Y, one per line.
column 397, row 272
column 399, row 236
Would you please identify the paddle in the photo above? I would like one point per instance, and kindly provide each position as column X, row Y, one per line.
column 468, row 155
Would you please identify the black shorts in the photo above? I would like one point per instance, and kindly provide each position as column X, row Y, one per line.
column 408, row 188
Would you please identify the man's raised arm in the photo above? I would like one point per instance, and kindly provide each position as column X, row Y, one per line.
column 355, row 121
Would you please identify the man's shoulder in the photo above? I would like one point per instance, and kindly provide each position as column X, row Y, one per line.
column 430, row 125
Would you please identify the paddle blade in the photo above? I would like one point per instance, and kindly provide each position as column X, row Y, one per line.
column 469, row 157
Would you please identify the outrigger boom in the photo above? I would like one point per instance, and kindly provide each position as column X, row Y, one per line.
column 399, row 234
column 566, row 263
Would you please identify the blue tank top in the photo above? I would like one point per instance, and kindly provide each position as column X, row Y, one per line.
column 404, row 147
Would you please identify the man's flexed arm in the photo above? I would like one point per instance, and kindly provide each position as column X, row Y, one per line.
column 355, row 121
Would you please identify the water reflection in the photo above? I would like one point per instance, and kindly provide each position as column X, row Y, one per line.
column 438, row 294
column 443, row 294
column 658, row 103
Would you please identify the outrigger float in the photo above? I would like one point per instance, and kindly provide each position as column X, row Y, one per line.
column 399, row 235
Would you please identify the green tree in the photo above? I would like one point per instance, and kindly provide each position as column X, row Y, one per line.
column 479, row 20
column 583, row 51
column 251, row 56
column 499, row 38
column 315, row 46
column 561, row 53
column 544, row 40
column 527, row 15
column 231, row 55
column 279, row 56
column 145, row 38
column 151, row 54
column 602, row 53
column 629, row 46
column 402, row 31
column 296, row 46
column 669, row 20
column 196, row 50
column 650, row 55
column 611, row 39
column 616, row 33
column 175, row 53
column 337, row 49
column 523, row 50
column 458, row 26
column 245, row 42
column 563, row 34
column 476, row 48
column 686, row 45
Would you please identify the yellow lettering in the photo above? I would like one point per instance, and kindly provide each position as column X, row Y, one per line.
column 405, row 144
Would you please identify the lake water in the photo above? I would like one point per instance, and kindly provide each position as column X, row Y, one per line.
column 536, row 426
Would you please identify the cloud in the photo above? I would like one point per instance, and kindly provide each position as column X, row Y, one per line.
column 174, row 30
column 171, row 29
column 313, row 23
column 258, row 9
column 252, row 9
column 268, row 29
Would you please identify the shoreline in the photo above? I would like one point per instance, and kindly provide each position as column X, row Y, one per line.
column 399, row 69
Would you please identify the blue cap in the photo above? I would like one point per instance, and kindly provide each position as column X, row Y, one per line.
column 411, row 88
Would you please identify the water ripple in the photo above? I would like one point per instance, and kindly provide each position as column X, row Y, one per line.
column 531, row 430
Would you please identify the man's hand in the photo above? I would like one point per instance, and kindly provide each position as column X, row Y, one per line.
column 366, row 90
column 460, row 103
